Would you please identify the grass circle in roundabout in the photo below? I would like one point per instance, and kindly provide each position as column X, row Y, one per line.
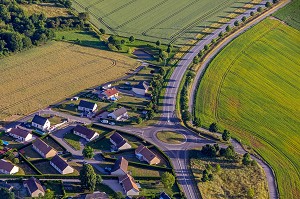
column 170, row 137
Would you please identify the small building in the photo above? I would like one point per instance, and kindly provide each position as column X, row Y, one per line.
column 87, row 106
column 141, row 89
column 110, row 94
column 119, row 114
column 20, row 134
column 34, row 187
column 40, row 123
column 120, row 167
column 144, row 154
column 129, row 185
column 106, row 86
column 85, row 133
column 43, row 149
column 163, row 195
column 61, row 165
column 95, row 195
column 7, row 167
column 119, row 142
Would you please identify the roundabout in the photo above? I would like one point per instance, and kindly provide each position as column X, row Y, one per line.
column 171, row 137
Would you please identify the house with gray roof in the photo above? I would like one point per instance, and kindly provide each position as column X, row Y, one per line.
column 61, row 165
column 40, row 122
column 7, row 167
column 34, row 187
column 141, row 88
column 43, row 149
column 119, row 114
column 119, row 143
column 85, row 133
column 87, row 106
column 20, row 134
column 120, row 167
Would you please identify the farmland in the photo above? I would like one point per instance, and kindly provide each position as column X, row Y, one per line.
column 252, row 89
column 45, row 75
column 173, row 21
column 290, row 14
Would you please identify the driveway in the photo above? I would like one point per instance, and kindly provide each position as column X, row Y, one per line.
column 114, row 185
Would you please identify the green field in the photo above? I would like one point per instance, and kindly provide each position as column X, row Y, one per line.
column 167, row 20
column 252, row 89
column 290, row 14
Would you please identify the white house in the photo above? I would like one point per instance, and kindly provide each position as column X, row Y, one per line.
column 141, row 88
column 40, row 123
column 61, row 165
column 20, row 134
column 119, row 143
column 119, row 114
column 87, row 106
column 85, row 133
column 34, row 187
column 120, row 167
column 129, row 185
column 7, row 167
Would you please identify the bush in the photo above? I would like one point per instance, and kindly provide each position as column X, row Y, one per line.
column 213, row 127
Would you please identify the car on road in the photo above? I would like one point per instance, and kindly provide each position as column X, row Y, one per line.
column 104, row 121
column 112, row 123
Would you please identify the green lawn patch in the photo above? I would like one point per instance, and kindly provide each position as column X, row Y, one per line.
column 51, row 142
column 55, row 186
column 137, row 171
column 170, row 137
column 30, row 153
column 45, row 167
column 73, row 140
column 101, row 144
column 252, row 89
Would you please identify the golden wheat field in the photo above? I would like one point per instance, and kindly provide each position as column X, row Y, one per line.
column 50, row 10
column 43, row 75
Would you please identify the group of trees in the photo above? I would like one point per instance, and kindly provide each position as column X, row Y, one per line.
column 89, row 179
column 215, row 150
column 213, row 127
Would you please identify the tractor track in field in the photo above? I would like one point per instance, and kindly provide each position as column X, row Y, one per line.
column 119, row 8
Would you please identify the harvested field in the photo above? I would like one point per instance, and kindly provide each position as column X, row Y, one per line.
column 174, row 21
column 252, row 89
column 41, row 76
column 48, row 9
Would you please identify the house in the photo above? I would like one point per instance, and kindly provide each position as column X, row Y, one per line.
column 20, row 134
column 7, row 167
column 110, row 94
column 163, row 195
column 6, row 186
column 85, row 133
column 119, row 142
column 40, row 123
column 34, row 187
column 43, row 149
column 87, row 106
column 144, row 154
column 129, row 185
column 141, row 88
column 119, row 114
column 95, row 195
column 61, row 165
column 120, row 167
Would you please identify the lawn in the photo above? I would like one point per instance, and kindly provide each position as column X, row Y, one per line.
column 55, row 186
column 30, row 153
column 137, row 171
column 233, row 181
column 45, row 167
column 169, row 21
column 67, row 69
column 101, row 144
column 51, row 142
column 170, row 137
column 53, row 119
column 290, row 14
column 73, row 140
column 252, row 89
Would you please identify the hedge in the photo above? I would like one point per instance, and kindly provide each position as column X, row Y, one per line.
column 31, row 165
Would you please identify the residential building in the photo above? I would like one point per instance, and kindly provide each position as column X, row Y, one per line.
column 120, row 167
column 7, row 167
column 119, row 114
column 163, row 195
column 20, row 134
column 142, row 88
column 95, row 195
column 119, row 142
column 144, row 154
column 40, row 123
column 43, row 149
column 34, row 187
column 87, row 106
column 129, row 185
column 61, row 165
column 110, row 94
column 85, row 133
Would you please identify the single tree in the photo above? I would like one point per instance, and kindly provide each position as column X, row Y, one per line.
column 252, row 13
column 246, row 159
column 102, row 31
column 88, row 177
column 268, row 5
column 221, row 34
column 88, row 152
column 229, row 152
column 226, row 135
column 218, row 168
column 210, row 177
column 259, row 9
column 131, row 39
column 164, row 56
column 157, row 43
column 186, row 115
column 139, row 120
column 5, row 193
column 169, row 50
column 16, row 161
column 204, row 178
column 244, row 18
column 236, row 23
column 206, row 47
column 168, row 180
column 228, row 28
column 197, row 122
column 49, row 194
column 213, row 127
column 83, row 16
column 98, row 179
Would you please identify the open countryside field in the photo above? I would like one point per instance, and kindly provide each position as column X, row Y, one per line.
column 41, row 76
column 290, row 14
column 252, row 89
column 173, row 21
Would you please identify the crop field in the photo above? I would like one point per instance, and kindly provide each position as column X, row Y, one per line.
column 41, row 76
column 173, row 21
column 252, row 89
column 290, row 14
column 50, row 10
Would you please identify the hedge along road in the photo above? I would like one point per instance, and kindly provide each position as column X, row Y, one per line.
column 272, row 185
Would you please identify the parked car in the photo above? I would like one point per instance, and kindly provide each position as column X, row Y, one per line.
column 107, row 169
column 112, row 123
column 104, row 121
